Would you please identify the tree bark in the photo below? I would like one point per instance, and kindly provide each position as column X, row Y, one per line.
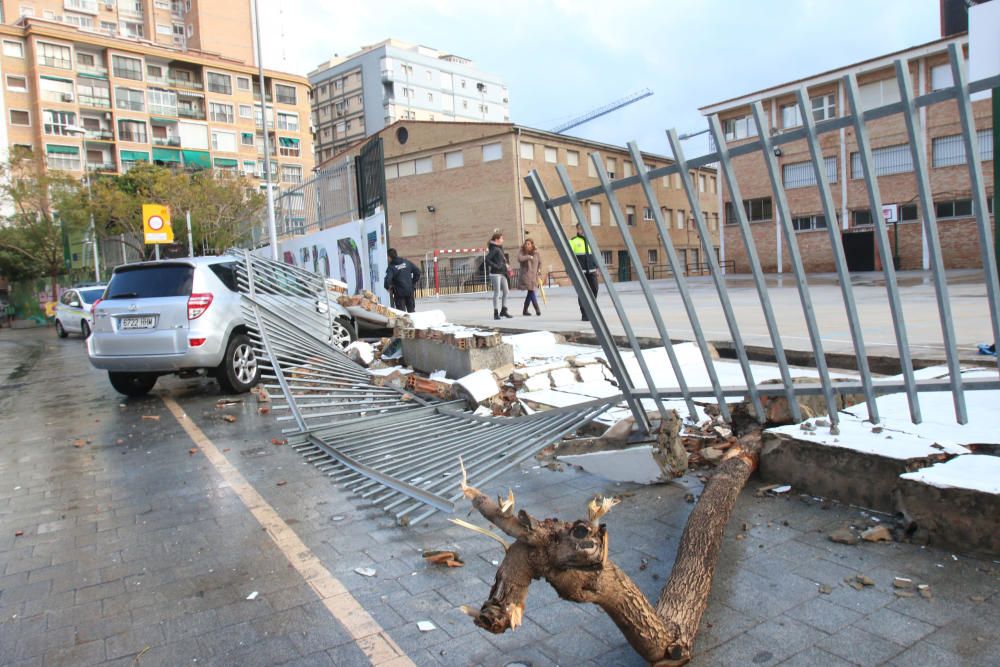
column 573, row 558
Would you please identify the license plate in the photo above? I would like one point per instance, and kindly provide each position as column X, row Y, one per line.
column 147, row 322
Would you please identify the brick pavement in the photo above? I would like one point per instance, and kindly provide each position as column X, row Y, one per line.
column 138, row 543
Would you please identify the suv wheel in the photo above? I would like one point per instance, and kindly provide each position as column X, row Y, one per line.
column 239, row 370
column 60, row 330
column 343, row 333
column 132, row 384
column 85, row 329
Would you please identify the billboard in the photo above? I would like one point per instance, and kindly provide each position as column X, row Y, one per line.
column 353, row 252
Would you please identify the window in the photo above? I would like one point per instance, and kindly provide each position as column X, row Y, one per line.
column 701, row 183
column 790, row 116
column 492, row 152
column 19, row 117
column 959, row 208
column 223, row 141
column 612, row 166
column 941, row 75
column 809, row 223
column 126, row 68
column 13, row 49
column 950, row 150
column 529, row 211
column 606, row 257
column 757, row 210
column 824, row 107
column 626, row 168
column 288, row 121
column 219, row 83
column 284, row 94
column 801, row 175
column 247, row 138
column 62, row 157
column 94, row 93
column 739, row 128
column 908, row 213
column 551, row 154
column 861, row 217
column 423, row 165
column 630, row 216
column 132, row 130
column 246, row 111
column 681, row 221
column 221, row 113
column 162, row 102
column 109, row 27
column 647, row 213
column 17, row 84
column 408, row 222
column 242, row 83
column 527, row 151
column 591, row 170
column 288, row 147
column 291, row 173
column 59, row 122
column 53, row 55
column 453, row 160
column 132, row 29
column 652, row 256
column 127, row 98
column 889, row 160
column 879, row 93
column 573, row 158
column 595, row 214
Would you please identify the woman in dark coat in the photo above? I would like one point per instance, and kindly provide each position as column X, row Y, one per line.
column 530, row 275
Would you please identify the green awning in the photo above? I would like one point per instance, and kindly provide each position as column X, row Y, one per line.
column 166, row 155
column 226, row 162
column 163, row 120
column 56, row 78
column 65, row 150
column 197, row 159
column 248, row 135
column 103, row 77
column 135, row 156
column 288, row 142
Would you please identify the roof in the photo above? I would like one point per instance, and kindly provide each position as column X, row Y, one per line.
column 877, row 62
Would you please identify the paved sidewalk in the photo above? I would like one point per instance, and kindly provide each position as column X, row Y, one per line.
column 132, row 542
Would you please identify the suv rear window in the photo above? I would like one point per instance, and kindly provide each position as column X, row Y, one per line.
column 226, row 273
column 150, row 282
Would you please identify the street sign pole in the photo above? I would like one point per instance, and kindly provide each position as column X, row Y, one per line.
column 190, row 239
column 272, row 227
column 996, row 172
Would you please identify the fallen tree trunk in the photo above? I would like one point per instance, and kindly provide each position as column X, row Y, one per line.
column 573, row 558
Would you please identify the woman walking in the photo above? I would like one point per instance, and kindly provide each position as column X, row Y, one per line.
column 496, row 265
column 529, row 279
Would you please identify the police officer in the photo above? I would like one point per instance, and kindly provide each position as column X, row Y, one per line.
column 585, row 258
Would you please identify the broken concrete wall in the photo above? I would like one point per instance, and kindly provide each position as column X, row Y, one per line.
column 428, row 356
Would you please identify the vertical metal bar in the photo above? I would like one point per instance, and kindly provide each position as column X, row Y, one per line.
column 836, row 245
column 713, row 265
column 576, row 276
column 979, row 203
column 919, row 152
column 783, row 211
column 647, row 291
column 754, row 260
column 678, row 271
column 888, row 267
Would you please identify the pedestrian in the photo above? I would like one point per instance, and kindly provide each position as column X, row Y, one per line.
column 401, row 279
column 499, row 271
column 8, row 314
column 989, row 349
column 529, row 276
column 588, row 264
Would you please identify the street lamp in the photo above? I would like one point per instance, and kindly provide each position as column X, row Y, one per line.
column 82, row 132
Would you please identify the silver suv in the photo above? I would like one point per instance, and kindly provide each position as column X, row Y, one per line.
column 179, row 316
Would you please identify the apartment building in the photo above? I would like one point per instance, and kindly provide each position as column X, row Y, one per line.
column 213, row 27
column 929, row 70
column 358, row 95
column 92, row 103
column 449, row 185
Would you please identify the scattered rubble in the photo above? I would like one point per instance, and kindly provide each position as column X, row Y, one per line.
column 879, row 533
column 425, row 626
column 252, row 596
column 152, row 418
column 446, row 558
column 365, row 571
column 229, row 418
column 844, row 535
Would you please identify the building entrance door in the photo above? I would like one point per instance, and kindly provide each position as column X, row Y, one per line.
column 624, row 267
column 859, row 248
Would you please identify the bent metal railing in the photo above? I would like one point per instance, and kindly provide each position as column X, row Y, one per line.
column 386, row 445
column 766, row 146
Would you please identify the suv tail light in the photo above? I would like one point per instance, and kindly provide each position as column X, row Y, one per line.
column 93, row 308
column 198, row 304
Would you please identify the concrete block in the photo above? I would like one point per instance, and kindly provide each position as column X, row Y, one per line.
column 428, row 356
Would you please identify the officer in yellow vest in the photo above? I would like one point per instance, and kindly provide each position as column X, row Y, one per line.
column 588, row 264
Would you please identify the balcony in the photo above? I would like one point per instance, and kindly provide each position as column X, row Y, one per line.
column 95, row 102
column 162, row 110
column 186, row 85
column 101, row 166
column 193, row 113
column 173, row 141
column 162, row 80
column 86, row 6
column 100, row 135
column 387, row 76
column 93, row 70
column 134, row 137
column 60, row 63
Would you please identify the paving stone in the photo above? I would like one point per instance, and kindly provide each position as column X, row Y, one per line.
column 89, row 653
column 860, row 647
column 895, row 627
column 785, row 636
column 824, row 615
column 815, row 657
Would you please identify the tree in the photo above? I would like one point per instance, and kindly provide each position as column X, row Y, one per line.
column 220, row 207
column 35, row 232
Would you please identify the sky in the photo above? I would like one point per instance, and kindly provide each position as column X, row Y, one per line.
column 562, row 58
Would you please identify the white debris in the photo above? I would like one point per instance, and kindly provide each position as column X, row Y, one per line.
column 976, row 472
column 480, row 385
column 781, row 489
column 563, row 377
column 426, row 626
column 360, row 352
column 539, row 382
column 483, row 411
column 365, row 571
column 438, row 375
column 427, row 319
column 252, row 596
column 635, row 464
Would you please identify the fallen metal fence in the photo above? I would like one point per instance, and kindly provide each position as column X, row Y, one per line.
column 766, row 147
column 385, row 444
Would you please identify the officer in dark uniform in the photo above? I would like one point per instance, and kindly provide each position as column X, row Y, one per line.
column 588, row 264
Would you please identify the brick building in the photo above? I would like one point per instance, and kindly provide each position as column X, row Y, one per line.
column 940, row 126
column 449, row 185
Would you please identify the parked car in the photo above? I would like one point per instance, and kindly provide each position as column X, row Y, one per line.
column 73, row 310
column 180, row 316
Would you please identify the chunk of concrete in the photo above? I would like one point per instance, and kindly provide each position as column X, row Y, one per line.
column 635, row 464
column 477, row 387
column 360, row 352
column 427, row 356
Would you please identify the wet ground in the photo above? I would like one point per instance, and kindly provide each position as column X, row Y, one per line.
column 133, row 532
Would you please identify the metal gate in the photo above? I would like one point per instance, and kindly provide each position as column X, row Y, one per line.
column 766, row 147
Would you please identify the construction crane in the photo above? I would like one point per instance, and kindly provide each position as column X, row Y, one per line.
column 606, row 109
